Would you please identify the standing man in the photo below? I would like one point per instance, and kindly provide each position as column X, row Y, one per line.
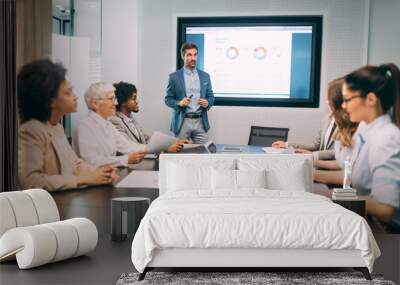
column 190, row 95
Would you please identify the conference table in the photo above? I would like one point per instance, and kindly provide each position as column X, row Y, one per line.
column 94, row 202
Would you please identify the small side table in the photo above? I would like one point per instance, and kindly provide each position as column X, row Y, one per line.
column 126, row 214
column 357, row 206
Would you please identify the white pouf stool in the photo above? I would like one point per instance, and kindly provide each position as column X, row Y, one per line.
column 31, row 231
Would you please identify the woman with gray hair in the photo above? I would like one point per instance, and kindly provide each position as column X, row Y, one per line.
column 46, row 160
column 96, row 139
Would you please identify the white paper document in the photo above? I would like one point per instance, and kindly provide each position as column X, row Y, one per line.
column 159, row 142
column 139, row 179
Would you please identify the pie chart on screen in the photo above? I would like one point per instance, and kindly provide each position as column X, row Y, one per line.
column 232, row 52
column 260, row 53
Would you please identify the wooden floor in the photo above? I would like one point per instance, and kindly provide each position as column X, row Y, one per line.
column 111, row 259
column 102, row 266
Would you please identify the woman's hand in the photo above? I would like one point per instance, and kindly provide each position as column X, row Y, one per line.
column 303, row 151
column 279, row 144
column 101, row 175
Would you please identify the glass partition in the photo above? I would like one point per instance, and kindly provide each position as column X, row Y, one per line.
column 76, row 42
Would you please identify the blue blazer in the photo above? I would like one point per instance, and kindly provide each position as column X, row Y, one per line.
column 176, row 91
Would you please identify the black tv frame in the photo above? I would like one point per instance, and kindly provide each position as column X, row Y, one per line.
column 241, row 21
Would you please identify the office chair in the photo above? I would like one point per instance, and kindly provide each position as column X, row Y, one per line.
column 265, row 136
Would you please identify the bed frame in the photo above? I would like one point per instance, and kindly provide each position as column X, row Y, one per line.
column 256, row 258
column 242, row 258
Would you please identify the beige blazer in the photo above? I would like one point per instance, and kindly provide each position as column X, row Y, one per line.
column 45, row 158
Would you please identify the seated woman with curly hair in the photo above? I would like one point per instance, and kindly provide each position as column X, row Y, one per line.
column 45, row 158
column 330, row 171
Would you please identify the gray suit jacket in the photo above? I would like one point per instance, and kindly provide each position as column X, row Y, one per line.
column 126, row 129
column 324, row 151
column 132, row 131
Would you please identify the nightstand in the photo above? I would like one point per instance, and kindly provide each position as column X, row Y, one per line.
column 356, row 206
column 126, row 214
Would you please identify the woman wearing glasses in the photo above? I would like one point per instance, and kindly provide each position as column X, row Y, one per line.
column 371, row 96
column 96, row 139
column 330, row 171
column 45, row 158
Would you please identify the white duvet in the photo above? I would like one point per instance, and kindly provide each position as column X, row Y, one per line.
column 250, row 219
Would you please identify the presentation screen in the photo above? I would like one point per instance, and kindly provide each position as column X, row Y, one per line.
column 258, row 61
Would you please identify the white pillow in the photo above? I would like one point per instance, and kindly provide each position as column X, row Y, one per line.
column 251, row 178
column 226, row 179
column 281, row 174
column 194, row 175
column 185, row 177
column 293, row 178
column 223, row 179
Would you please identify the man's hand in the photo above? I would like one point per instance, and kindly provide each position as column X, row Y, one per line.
column 136, row 157
column 279, row 144
column 203, row 102
column 184, row 141
column 178, row 146
column 184, row 102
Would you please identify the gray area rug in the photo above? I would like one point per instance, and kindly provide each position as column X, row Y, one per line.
column 229, row 278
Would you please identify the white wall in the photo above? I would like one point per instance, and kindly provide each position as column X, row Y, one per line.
column 120, row 41
column 138, row 46
column 138, row 39
column 384, row 40
column 87, row 23
column 344, row 42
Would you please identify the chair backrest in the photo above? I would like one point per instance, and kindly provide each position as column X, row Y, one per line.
column 265, row 136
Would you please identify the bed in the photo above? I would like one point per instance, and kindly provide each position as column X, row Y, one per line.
column 247, row 210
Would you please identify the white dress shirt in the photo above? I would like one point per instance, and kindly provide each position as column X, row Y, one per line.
column 376, row 161
column 192, row 85
column 97, row 141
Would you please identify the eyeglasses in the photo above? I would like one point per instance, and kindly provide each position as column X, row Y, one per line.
column 108, row 98
column 347, row 100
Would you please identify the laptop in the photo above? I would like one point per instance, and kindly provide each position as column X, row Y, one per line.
column 232, row 149
column 208, row 147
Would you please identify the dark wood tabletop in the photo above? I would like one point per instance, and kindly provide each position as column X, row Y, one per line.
column 94, row 202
